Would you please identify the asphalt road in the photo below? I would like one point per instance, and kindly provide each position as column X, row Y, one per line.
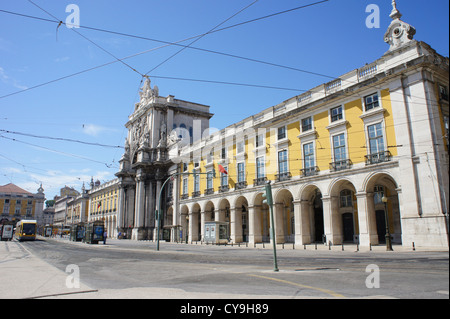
column 232, row 271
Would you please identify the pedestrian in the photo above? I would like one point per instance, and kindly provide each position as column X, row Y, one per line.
column 105, row 234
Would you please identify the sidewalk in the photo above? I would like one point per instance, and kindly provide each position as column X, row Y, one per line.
column 23, row 275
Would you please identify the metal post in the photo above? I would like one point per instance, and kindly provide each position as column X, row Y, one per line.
column 269, row 202
column 388, row 234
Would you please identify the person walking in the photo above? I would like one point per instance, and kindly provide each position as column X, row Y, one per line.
column 105, row 234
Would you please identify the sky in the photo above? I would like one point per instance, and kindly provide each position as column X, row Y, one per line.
column 42, row 108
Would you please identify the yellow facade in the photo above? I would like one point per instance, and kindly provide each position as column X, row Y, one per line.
column 356, row 144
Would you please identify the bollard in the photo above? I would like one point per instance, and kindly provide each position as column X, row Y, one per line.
column 414, row 246
column 342, row 247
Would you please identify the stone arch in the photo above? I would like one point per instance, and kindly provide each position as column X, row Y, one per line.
column 343, row 211
column 284, row 216
column 376, row 186
column 195, row 223
column 239, row 225
column 312, row 214
column 260, row 221
column 209, row 211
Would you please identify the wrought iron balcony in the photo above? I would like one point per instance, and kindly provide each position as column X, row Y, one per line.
column 209, row 191
column 259, row 181
column 224, row 188
column 196, row 194
column 310, row 171
column 185, row 196
column 283, row 176
column 241, row 185
column 341, row 165
column 376, row 158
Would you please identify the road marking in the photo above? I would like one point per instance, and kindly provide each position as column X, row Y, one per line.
column 329, row 292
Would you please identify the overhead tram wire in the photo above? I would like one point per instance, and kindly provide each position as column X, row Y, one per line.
column 200, row 37
column 59, row 139
column 166, row 44
column 58, row 152
column 60, row 22
column 178, row 44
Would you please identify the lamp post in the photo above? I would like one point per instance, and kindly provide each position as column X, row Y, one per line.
column 388, row 234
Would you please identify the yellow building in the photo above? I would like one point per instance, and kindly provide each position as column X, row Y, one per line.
column 103, row 205
column 18, row 204
column 345, row 159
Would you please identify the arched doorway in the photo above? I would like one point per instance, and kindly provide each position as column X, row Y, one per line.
column 344, row 212
column 239, row 221
column 284, row 217
column 379, row 186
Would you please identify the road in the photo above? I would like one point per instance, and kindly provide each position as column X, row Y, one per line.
column 200, row 271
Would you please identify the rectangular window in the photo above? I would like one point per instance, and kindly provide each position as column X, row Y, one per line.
column 241, row 172
column 209, row 180
column 443, row 94
column 336, row 114
column 307, row 124
column 281, row 132
column 260, row 171
column 339, row 148
column 224, row 153
column 282, row 162
column 259, row 140
column 308, row 155
column 196, row 183
column 240, row 148
column 376, row 141
column 224, row 177
column 371, row 102
column 185, row 186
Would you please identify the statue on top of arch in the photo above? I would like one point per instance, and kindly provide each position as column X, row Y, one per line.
column 146, row 93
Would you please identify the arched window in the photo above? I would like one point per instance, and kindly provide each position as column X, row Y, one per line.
column 346, row 198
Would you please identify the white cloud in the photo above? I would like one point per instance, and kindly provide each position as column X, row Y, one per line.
column 10, row 81
column 63, row 59
column 95, row 130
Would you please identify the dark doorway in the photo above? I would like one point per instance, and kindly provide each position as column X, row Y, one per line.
column 318, row 218
column 347, row 222
column 381, row 226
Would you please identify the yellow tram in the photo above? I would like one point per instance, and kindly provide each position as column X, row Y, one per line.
column 26, row 230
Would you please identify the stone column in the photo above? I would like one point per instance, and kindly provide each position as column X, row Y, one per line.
column 302, row 222
column 254, row 220
column 366, row 220
column 279, row 222
column 138, row 230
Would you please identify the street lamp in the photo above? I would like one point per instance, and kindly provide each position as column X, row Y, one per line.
column 388, row 234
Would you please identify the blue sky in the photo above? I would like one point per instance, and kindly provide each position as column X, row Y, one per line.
column 329, row 38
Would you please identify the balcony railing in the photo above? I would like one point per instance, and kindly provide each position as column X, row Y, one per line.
column 224, row 188
column 185, row 196
column 376, row 158
column 340, row 165
column 209, row 191
column 283, row 176
column 310, row 171
column 196, row 194
column 241, row 185
column 259, row 181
